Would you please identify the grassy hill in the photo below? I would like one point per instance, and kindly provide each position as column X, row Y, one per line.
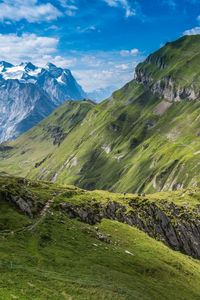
column 35, row 146
column 144, row 138
column 52, row 256
column 179, row 61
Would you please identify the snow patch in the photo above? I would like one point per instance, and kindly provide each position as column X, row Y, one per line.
column 15, row 72
column 59, row 79
column 35, row 72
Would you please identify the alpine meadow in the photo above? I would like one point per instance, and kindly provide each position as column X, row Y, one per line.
column 99, row 199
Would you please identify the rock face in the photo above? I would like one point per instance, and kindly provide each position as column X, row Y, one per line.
column 176, row 227
column 28, row 94
column 165, row 88
column 172, row 72
column 24, row 205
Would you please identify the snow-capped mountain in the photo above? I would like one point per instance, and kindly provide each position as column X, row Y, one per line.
column 29, row 93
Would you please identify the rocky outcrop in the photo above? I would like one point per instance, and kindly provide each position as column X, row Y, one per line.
column 165, row 88
column 27, row 205
column 176, row 227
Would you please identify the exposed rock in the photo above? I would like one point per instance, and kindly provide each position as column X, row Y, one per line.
column 128, row 252
column 23, row 205
column 103, row 238
column 161, row 108
column 25, row 202
column 165, row 87
column 176, row 227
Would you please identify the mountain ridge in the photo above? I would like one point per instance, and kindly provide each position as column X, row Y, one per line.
column 136, row 140
column 29, row 94
column 64, row 245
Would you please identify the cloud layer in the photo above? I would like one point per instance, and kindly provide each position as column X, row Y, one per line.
column 29, row 10
column 92, row 69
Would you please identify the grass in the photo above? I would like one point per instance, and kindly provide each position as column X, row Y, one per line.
column 64, row 259
column 120, row 145
column 35, row 146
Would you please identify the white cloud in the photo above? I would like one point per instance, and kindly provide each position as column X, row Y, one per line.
column 130, row 11
column 106, row 69
column 122, row 67
column 192, row 31
column 91, row 61
column 85, row 29
column 93, row 70
column 70, row 6
column 26, row 47
column 29, row 10
column 53, row 27
column 30, row 47
column 91, row 80
column 132, row 52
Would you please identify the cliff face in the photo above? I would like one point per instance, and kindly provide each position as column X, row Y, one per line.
column 165, row 88
column 172, row 72
column 172, row 217
column 176, row 227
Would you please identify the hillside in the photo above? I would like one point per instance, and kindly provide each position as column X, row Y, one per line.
column 53, row 246
column 32, row 148
column 173, row 71
column 28, row 94
column 144, row 138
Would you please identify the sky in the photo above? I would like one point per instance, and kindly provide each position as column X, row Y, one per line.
column 100, row 41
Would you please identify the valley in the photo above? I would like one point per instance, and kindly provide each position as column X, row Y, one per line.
column 138, row 140
column 102, row 200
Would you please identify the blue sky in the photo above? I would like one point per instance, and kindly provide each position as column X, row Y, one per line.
column 101, row 41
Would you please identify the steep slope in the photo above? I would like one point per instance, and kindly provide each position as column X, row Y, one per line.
column 173, row 71
column 47, row 253
column 28, row 94
column 32, row 148
column 136, row 140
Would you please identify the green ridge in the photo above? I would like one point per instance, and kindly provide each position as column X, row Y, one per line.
column 35, row 146
column 59, row 259
column 129, row 142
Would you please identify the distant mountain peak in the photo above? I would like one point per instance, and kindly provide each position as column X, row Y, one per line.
column 4, row 65
column 29, row 93
column 30, row 66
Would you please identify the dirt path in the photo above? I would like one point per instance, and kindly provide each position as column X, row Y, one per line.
column 42, row 214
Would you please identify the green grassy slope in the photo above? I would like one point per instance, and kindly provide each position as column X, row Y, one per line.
column 123, row 146
column 37, row 144
column 130, row 142
column 63, row 258
column 179, row 60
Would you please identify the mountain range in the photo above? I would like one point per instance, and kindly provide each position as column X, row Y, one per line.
column 145, row 137
column 28, row 94
column 60, row 241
